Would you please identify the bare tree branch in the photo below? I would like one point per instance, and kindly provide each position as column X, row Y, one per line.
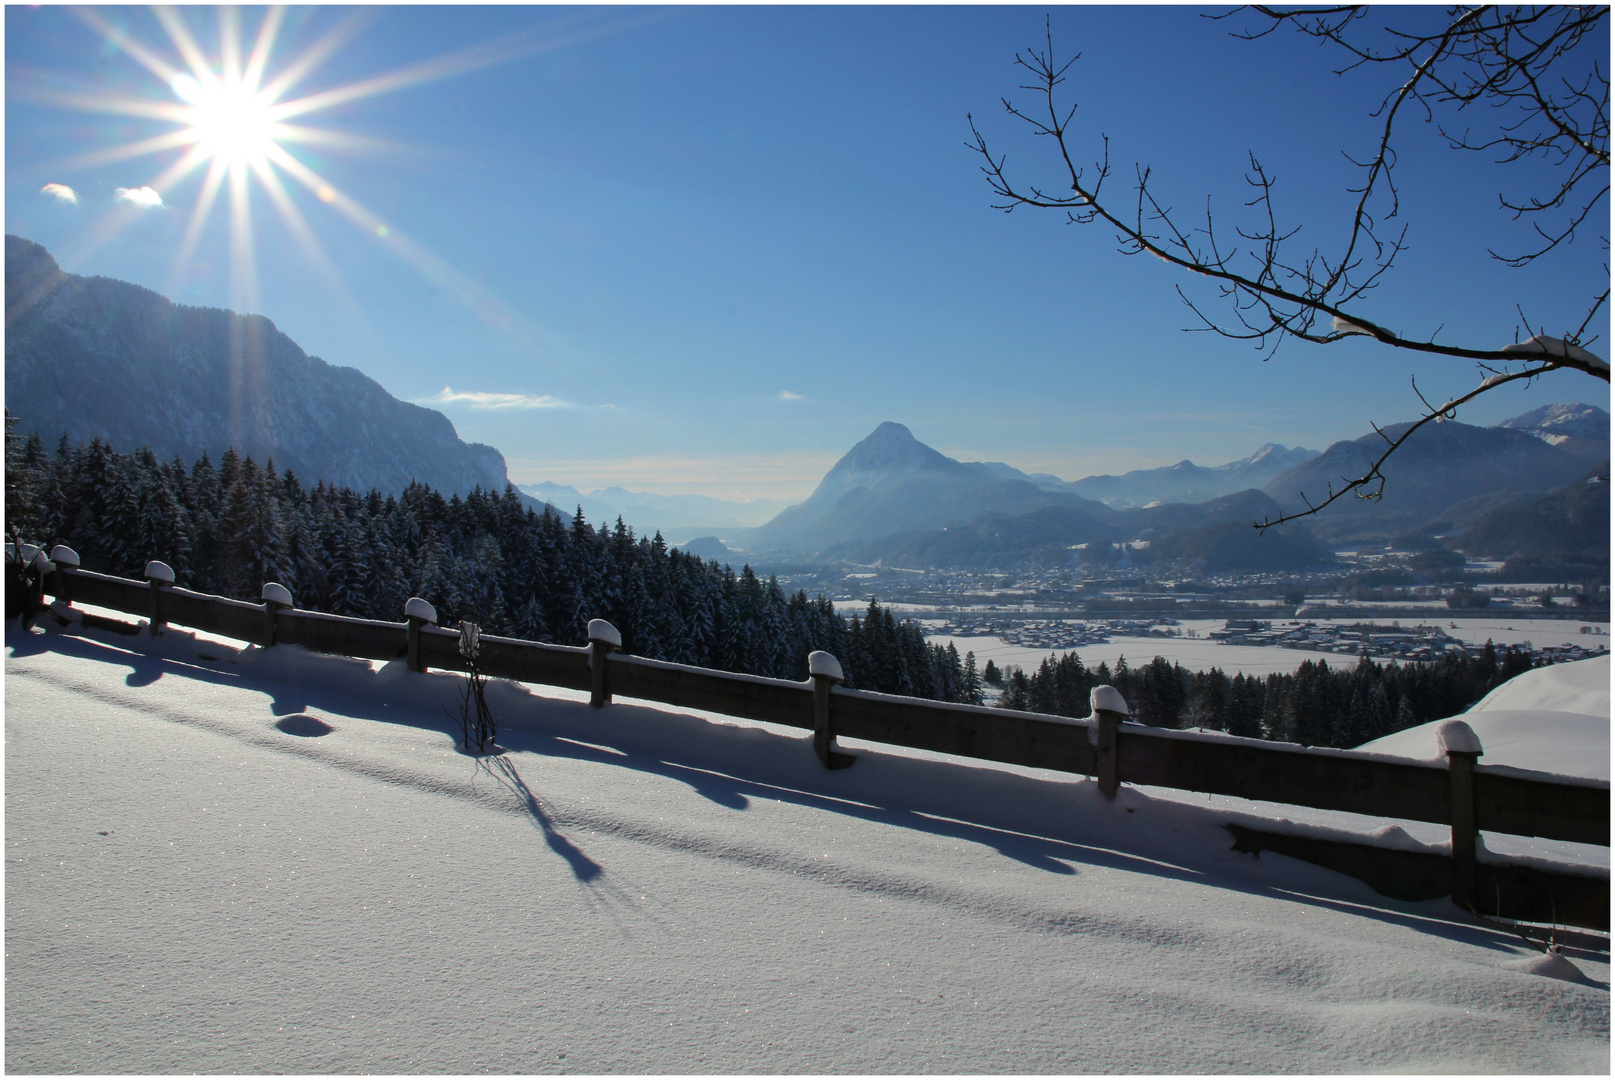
column 1529, row 62
column 1374, row 478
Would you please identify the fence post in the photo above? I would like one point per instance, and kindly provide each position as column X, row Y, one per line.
column 825, row 670
column 1109, row 710
column 419, row 613
column 159, row 574
column 1462, row 747
column 64, row 557
column 275, row 596
column 603, row 639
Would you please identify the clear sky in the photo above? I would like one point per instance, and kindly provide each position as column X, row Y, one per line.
column 708, row 249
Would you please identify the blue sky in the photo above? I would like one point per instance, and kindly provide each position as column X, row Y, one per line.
column 708, row 249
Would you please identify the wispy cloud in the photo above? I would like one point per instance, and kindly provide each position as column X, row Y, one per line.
column 62, row 192
column 143, row 197
column 786, row 395
column 482, row 400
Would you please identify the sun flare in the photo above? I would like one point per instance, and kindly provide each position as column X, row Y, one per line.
column 236, row 108
column 231, row 121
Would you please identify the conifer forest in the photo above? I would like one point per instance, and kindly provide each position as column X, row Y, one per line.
column 229, row 528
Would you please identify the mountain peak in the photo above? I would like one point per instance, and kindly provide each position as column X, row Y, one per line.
column 1575, row 427
column 889, row 450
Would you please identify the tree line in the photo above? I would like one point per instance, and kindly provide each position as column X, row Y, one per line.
column 1316, row 706
column 228, row 529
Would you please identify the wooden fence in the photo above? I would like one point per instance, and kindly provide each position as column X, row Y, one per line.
column 1459, row 792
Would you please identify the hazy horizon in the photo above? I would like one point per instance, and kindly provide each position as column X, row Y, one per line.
column 707, row 250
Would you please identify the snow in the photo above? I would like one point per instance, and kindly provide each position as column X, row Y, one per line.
column 276, row 593
column 1109, row 699
column 159, row 571
column 1457, row 737
column 1553, row 719
column 822, row 663
column 264, row 860
column 1542, row 345
column 1196, row 654
column 1202, row 654
column 600, row 630
column 416, row 608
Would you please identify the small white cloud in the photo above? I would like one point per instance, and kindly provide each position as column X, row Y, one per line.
column 143, row 197
column 786, row 395
column 481, row 400
column 62, row 192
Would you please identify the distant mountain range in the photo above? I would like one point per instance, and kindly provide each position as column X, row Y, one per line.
column 676, row 517
column 1447, row 470
column 895, row 501
column 94, row 357
column 1187, row 482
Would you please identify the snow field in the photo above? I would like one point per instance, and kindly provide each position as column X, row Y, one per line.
column 194, row 885
column 1553, row 719
column 1203, row 654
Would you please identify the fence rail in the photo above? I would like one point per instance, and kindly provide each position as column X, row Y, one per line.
column 1493, row 799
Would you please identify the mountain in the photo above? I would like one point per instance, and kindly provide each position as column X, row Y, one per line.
column 94, row 357
column 1216, row 535
column 1579, row 429
column 1187, row 482
column 1009, row 472
column 891, row 482
column 707, row 547
column 1561, row 536
column 1440, row 466
column 1044, row 537
column 677, row 517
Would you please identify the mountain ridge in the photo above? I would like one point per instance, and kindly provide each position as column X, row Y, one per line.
column 187, row 380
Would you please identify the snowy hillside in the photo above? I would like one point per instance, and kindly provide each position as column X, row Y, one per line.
column 265, row 860
column 1553, row 719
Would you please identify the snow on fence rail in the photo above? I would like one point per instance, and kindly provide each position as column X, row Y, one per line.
column 1458, row 792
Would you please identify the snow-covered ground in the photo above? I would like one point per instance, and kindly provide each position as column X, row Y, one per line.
column 1553, row 719
column 265, row 860
column 1201, row 654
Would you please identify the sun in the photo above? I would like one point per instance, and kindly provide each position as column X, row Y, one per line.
column 231, row 121
column 235, row 108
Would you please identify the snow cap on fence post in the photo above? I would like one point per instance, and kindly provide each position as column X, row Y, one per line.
column 1108, row 699
column 603, row 638
column 1109, row 710
column 416, row 608
column 822, row 663
column 417, row 613
column 275, row 596
column 65, row 558
column 825, row 671
column 159, row 574
column 1457, row 737
column 1462, row 746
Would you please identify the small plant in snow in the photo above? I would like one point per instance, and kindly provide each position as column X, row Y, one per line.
column 476, row 720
